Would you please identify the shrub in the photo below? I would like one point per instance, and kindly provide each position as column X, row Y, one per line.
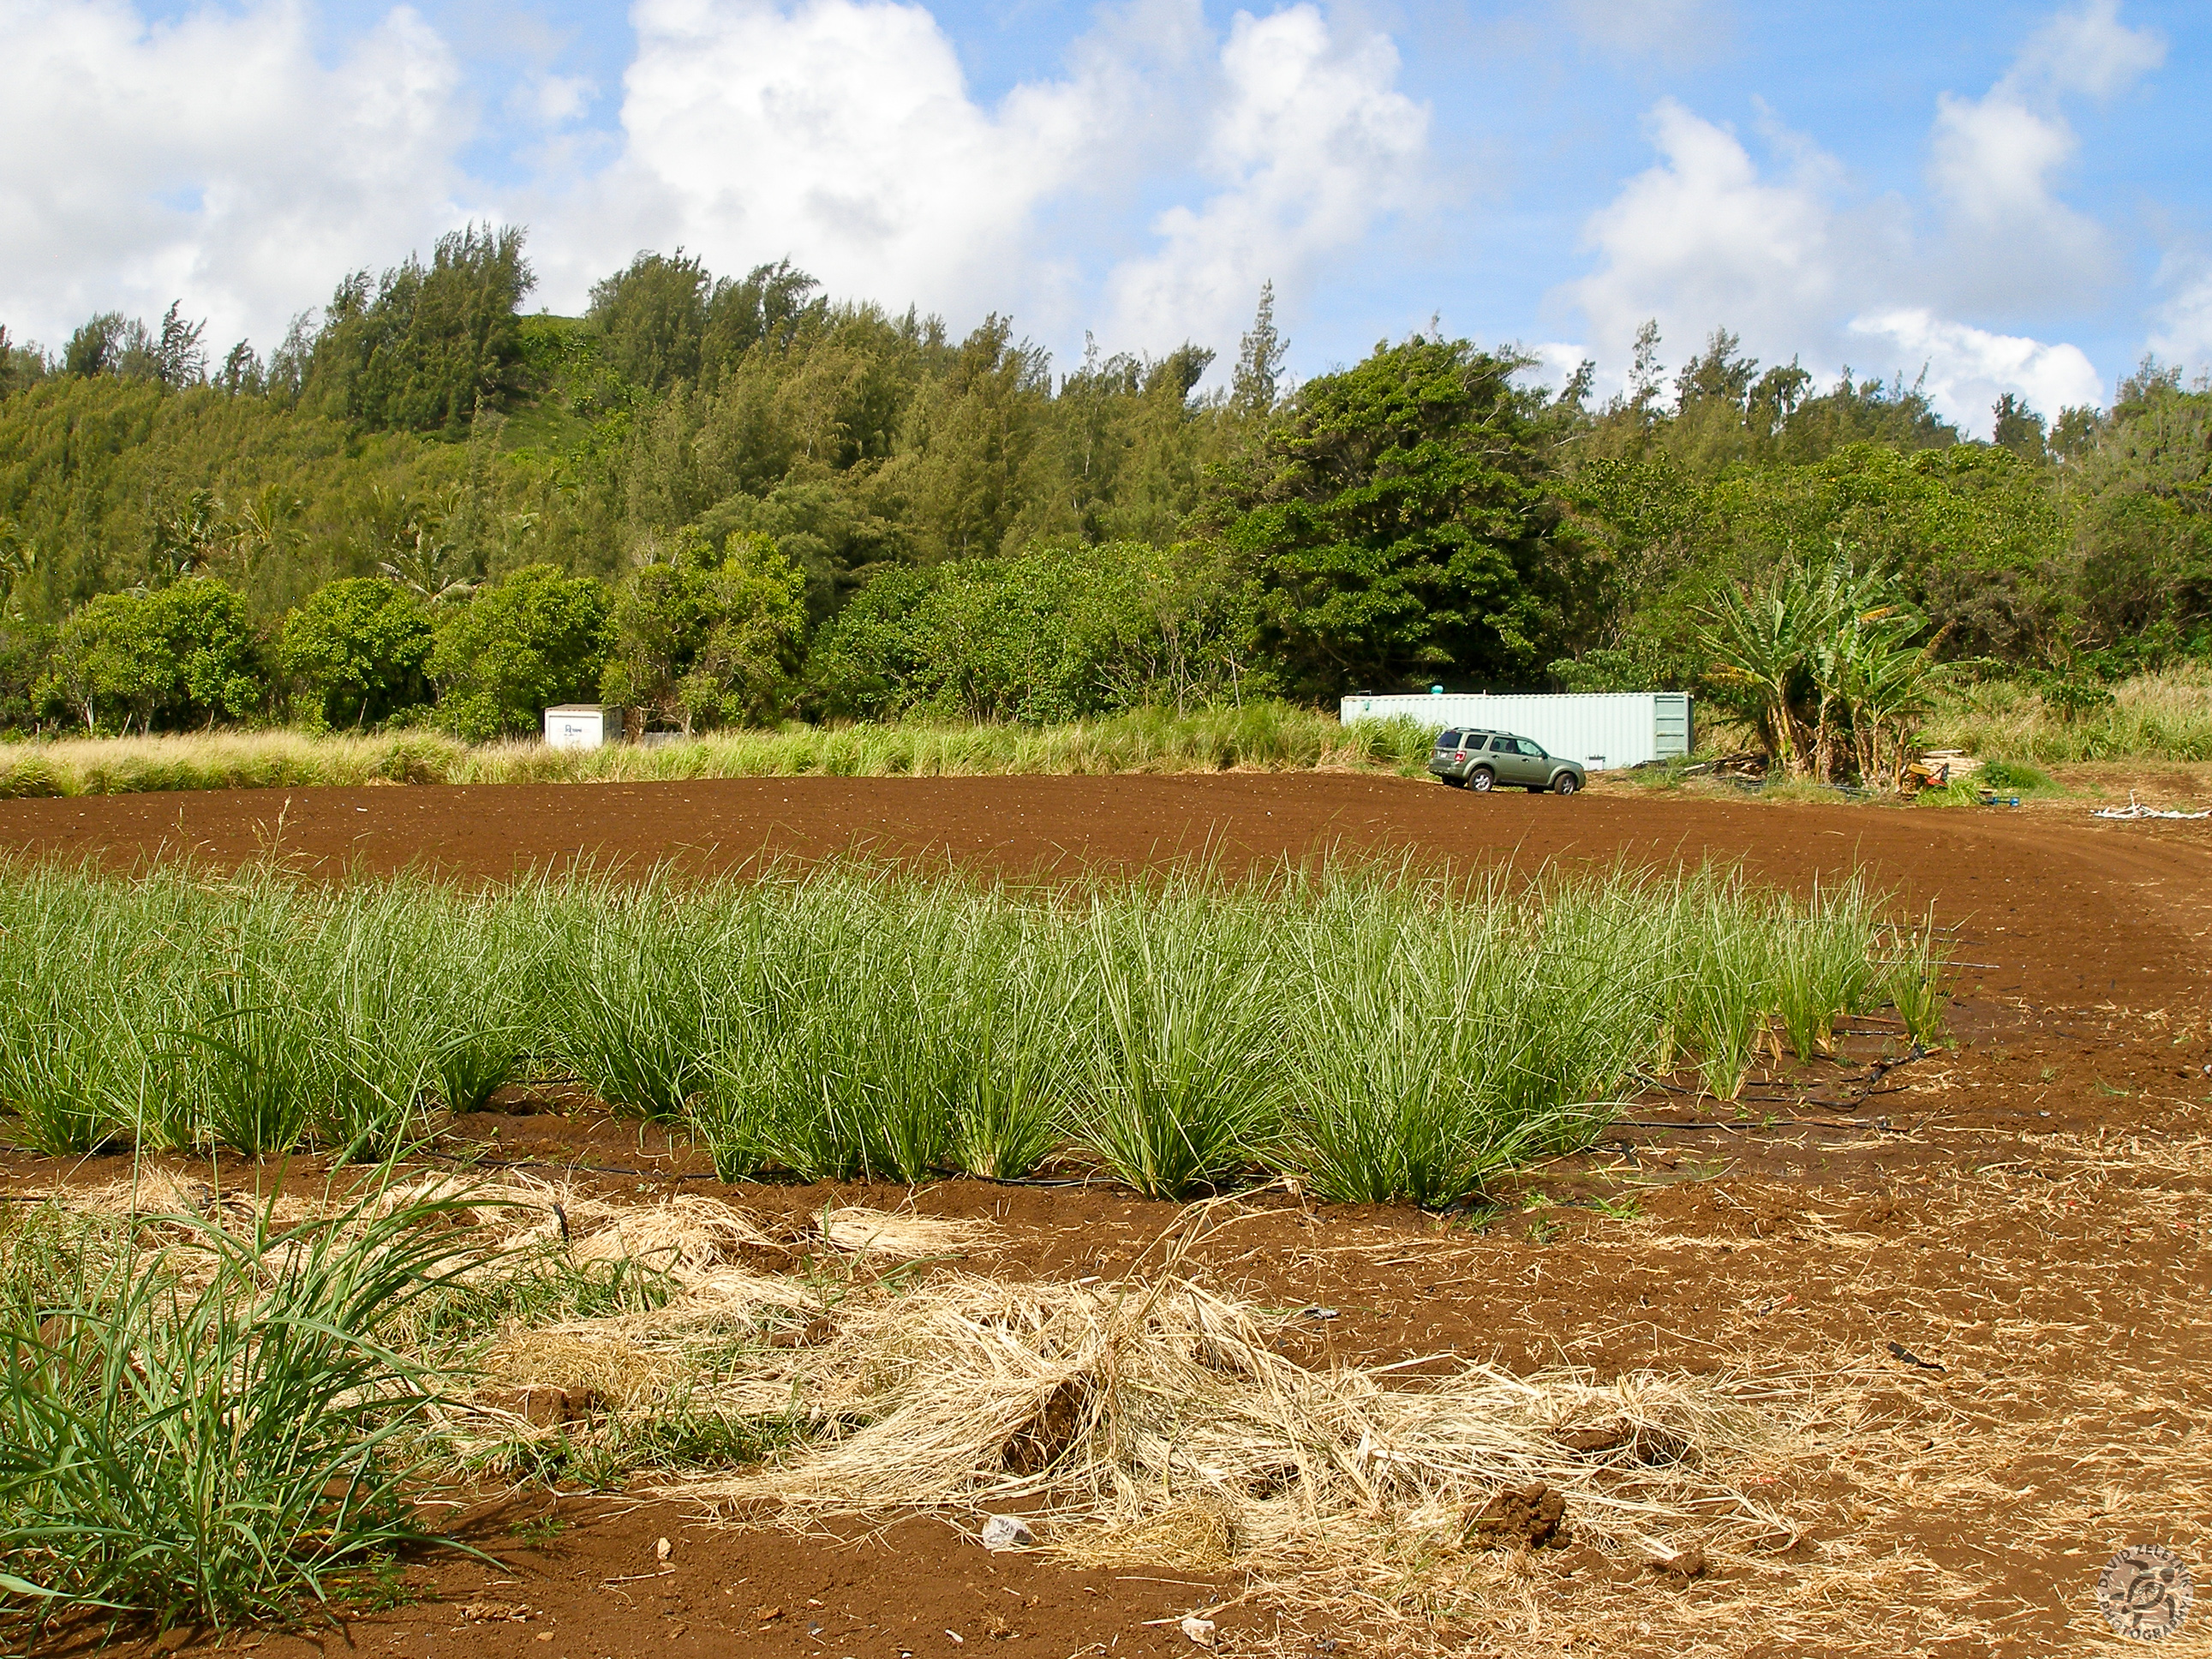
column 358, row 649
column 698, row 640
column 534, row 640
column 181, row 656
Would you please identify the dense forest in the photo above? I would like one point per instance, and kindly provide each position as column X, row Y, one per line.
column 719, row 499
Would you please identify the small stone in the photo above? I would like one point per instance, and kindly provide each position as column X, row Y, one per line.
column 660, row 1550
column 1200, row 1631
column 1007, row 1532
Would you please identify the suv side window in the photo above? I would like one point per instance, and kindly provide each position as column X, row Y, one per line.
column 1532, row 747
column 1502, row 745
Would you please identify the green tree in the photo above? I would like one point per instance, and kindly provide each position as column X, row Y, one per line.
column 521, row 645
column 1049, row 634
column 422, row 349
column 650, row 319
column 357, row 650
column 2018, row 428
column 1397, row 520
column 702, row 641
column 178, row 656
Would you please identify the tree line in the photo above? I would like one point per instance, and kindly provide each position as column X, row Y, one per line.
column 722, row 499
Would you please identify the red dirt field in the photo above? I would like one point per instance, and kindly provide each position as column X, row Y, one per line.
column 2023, row 1215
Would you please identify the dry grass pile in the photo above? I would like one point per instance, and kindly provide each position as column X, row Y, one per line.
column 685, row 1236
column 1145, row 1419
column 1158, row 1421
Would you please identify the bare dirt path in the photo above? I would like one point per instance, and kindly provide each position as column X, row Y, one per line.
column 2024, row 1216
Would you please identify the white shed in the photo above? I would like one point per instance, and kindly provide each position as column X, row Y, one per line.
column 1600, row 729
column 583, row 725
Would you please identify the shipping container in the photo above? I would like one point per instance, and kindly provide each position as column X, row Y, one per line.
column 1600, row 729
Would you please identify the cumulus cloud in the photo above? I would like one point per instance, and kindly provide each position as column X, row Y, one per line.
column 220, row 158
column 842, row 133
column 552, row 100
column 839, row 133
column 2088, row 50
column 1310, row 144
column 1966, row 369
column 2184, row 331
column 1992, row 159
column 1703, row 240
column 1786, row 257
column 215, row 158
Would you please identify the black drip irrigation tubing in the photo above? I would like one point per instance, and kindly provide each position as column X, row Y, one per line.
column 1875, row 1073
column 547, row 1164
column 663, row 1175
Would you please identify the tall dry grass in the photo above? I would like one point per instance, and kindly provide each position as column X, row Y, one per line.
column 2165, row 716
column 1272, row 736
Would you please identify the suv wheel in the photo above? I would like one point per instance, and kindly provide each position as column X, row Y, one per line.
column 1564, row 784
column 1482, row 778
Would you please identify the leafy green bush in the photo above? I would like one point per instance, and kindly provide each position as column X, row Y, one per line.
column 357, row 649
column 2014, row 775
column 1045, row 636
column 706, row 640
column 183, row 655
column 518, row 648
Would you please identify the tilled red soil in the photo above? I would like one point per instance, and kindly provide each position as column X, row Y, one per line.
column 2022, row 1216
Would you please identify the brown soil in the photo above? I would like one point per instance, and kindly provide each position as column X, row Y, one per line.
column 2001, row 1246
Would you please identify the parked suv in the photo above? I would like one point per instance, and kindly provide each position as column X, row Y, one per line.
column 1493, row 760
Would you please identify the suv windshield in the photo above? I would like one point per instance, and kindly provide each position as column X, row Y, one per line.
column 1448, row 740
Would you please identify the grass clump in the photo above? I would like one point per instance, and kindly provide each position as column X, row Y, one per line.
column 209, row 1427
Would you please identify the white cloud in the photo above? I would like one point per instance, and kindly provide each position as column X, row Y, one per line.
column 219, row 159
column 1310, row 144
column 842, row 133
column 838, row 132
column 2010, row 240
column 2184, row 333
column 1968, row 367
column 1702, row 240
column 1787, row 258
column 215, row 158
column 553, row 100
column 2088, row 50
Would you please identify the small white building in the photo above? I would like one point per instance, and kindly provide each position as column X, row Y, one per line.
column 1600, row 729
column 583, row 725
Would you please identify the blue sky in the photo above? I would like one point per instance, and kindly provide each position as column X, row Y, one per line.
column 2011, row 197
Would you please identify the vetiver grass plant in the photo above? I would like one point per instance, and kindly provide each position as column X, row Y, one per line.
column 205, row 1426
column 1383, row 1033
